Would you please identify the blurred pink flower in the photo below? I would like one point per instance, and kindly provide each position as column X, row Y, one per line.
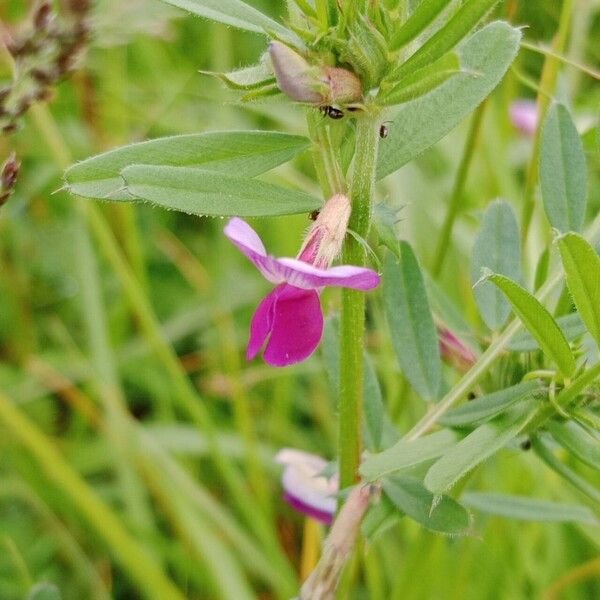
column 524, row 116
column 290, row 316
column 305, row 487
column 454, row 351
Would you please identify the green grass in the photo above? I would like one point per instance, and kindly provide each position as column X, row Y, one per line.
column 136, row 443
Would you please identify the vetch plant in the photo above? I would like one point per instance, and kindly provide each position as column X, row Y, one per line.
column 380, row 83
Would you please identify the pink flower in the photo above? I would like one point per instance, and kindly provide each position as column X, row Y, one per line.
column 524, row 116
column 306, row 489
column 290, row 319
column 454, row 351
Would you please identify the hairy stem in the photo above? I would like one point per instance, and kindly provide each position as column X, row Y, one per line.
column 352, row 328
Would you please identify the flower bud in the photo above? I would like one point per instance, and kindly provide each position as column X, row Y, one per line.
column 8, row 177
column 344, row 86
column 325, row 237
column 295, row 77
column 454, row 352
column 302, row 82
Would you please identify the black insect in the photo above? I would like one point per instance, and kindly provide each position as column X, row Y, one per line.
column 332, row 112
column 313, row 215
column 383, row 131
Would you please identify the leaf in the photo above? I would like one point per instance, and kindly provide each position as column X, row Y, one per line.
column 420, row 124
column 488, row 406
column 245, row 153
column 442, row 514
column 528, row 509
column 373, row 407
column 582, row 268
column 424, row 14
column 448, row 36
column 577, row 441
column 44, row 591
column 411, row 325
column 235, row 13
column 497, row 248
column 563, row 171
column 248, row 78
column 539, row 322
column 198, row 192
column 422, row 81
column 570, row 325
column 381, row 516
column 407, row 454
column 479, row 445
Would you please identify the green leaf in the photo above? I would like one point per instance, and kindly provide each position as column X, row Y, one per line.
column 577, row 441
column 235, row 13
column 497, row 248
column 44, row 591
column 528, row 509
column 245, row 153
column 381, row 516
column 479, row 445
column 407, row 454
column 424, row 14
column 571, row 326
column 488, row 406
column 457, row 27
column 198, row 192
column 441, row 514
column 539, row 322
column 411, row 325
column 420, row 124
column 248, row 78
column 563, row 171
column 373, row 407
column 582, row 268
column 422, row 81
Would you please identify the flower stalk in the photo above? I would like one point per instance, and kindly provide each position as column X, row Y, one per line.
column 352, row 329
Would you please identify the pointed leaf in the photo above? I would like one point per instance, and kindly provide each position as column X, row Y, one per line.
column 497, row 248
column 479, row 445
column 411, row 325
column 577, row 441
column 245, row 153
column 407, row 454
column 539, row 322
column 488, row 406
column 441, row 514
column 198, row 192
column 563, row 171
column 448, row 36
column 235, row 13
column 529, row 509
column 422, row 81
column 420, row 124
column 582, row 268
column 571, row 326
column 248, row 78
column 424, row 14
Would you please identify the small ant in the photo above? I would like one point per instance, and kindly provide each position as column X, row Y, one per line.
column 332, row 112
column 313, row 215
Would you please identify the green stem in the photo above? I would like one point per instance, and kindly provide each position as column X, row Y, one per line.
column 352, row 329
column 457, row 190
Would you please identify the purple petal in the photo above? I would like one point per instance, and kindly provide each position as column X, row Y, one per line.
column 524, row 116
column 296, row 328
column 293, row 271
column 262, row 323
column 305, row 276
column 310, row 511
column 306, row 489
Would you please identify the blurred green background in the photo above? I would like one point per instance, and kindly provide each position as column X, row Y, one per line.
column 140, row 461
